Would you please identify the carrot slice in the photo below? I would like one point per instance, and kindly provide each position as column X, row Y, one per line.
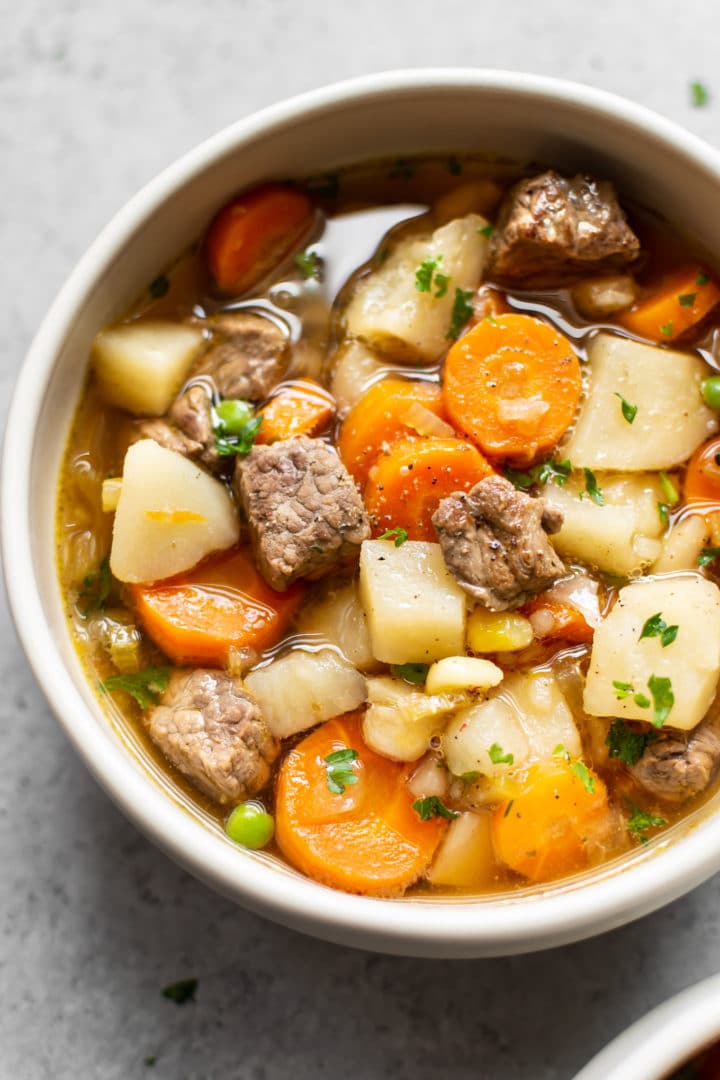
column 679, row 301
column 195, row 618
column 568, row 623
column 406, row 484
column 302, row 407
column 543, row 831
column 702, row 478
column 253, row 233
column 512, row 384
column 380, row 418
column 367, row 839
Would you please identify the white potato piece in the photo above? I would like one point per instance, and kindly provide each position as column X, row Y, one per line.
column 472, row 732
column 691, row 662
column 671, row 420
column 543, row 712
column 621, row 537
column 415, row 609
column 466, row 858
column 473, row 197
column 338, row 617
column 141, row 366
column 429, row 778
column 302, row 689
column 682, row 545
column 596, row 297
column 355, row 367
column 462, row 673
column 393, row 316
column 400, row 721
column 169, row 516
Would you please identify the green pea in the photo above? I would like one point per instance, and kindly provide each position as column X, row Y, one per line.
column 710, row 389
column 250, row 825
column 233, row 415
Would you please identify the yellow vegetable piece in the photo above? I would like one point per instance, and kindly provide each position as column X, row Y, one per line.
column 462, row 673
column 498, row 631
column 111, row 489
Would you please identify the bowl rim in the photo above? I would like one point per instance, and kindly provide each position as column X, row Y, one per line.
column 429, row 928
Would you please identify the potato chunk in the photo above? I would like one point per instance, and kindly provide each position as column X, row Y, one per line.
column 141, row 366
column 400, row 721
column 414, row 607
column 466, row 858
column 302, row 689
column 620, row 537
column 170, row 515
column 671, row 420
column 691, row 662
column 392, row 315
column 338, row 617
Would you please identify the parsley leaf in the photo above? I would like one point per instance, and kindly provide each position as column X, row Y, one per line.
column 686, row 299
column 498, row 756
column 641, row 701
column 461, row 312
column 424, row 274
column 699, row 94
column 708, row 555
column 591, row 487
column 561, row 751
column 623, row 689
column 441, row 284
column 627, row 745
column 96, row 588
column 629, row 411
column 240, row 444
column 702, row 278
column 666, row 329
column 431, row 807
column 159, row 287
column 398, row 534
column 145, row 686
column 668, row 489
column 181, row 992
column 340, row 773
column 557, row 471
column 656, row 626
column 663, row 698
column 663, row 512
column 640, row 821
column 410, row 673
column 588, row 780
column 470, row 777
column 487, row 230
column 307, row 264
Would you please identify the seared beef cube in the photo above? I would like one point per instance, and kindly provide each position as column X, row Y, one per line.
column 250, row 358
column 302, row 507
column 213, row 732
column 167, row 435
column 680, row 764
column 192, row 413
column 551, row 227
column 494, row 540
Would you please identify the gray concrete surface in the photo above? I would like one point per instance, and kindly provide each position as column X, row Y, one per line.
column 95, row 97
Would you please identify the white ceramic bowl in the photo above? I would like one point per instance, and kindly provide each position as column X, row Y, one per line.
column 393, row 114
column 663, row 1040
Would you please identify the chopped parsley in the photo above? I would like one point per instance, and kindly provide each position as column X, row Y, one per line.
column 240, row 444
column 145, row 686
column 454, row 166
column 656, row 626
column 627, row 745
column 398, row 535
column 588, row 780
column 663, row 698
column 307, row 264
column 708, row 555
column 666, row 329
column 470, row 777
column 641, row 701
column 561, row 751
column 96, row 588
column 410, row 673
column 428, row 276
column 640, row 821
column 159, row 287
column 431, row 807
column 340, row 772
column 699, row 94
column 402, row 169
column 592, row 489
column 461, row 311
column 623, row 689
column 668, row 489
column 487, row 230
column 629, row 411
column 686, row 299
column 557, row 471
column 702, row 278
column 498, row 756
column 508, row 808
column 663, row 512
column 181, row 992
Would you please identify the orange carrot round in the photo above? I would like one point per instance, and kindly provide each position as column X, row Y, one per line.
column 301, row 407
column 512, row 384
column 407, row 483
column 195, row 618
column 366, row 839
column 380, row 418
column 679, row 301
column 702, row 479
column 543, row 831
column 253, row 233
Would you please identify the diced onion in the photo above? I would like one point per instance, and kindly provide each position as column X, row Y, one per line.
column 427, row 423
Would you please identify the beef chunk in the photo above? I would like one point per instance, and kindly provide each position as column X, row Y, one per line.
column 213, row 732
column 248, row 360
column 303, row 509
column 167, row 435
column 191, row 412
column 494, row 540
column 550, row 227
column 680, row 764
